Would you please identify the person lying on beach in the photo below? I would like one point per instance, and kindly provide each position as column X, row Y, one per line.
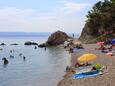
column 81, row 64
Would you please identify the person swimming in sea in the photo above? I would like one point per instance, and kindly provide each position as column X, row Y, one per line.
column 24, row 58
column 45, row 48
column 35, row 47
column 11, row 56
column 5, row 60
column 11, row 51
column 20, row 54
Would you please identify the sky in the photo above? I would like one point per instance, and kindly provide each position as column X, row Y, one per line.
column 44, row 15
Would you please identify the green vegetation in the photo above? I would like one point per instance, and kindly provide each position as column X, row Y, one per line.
column 101, row 19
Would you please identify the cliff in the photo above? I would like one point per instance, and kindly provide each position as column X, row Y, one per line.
column 100, row 24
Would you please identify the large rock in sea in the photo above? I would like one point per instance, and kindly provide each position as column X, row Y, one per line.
column 55, row 39
column 2, row 44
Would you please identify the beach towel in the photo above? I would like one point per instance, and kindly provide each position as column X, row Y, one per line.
column 82, row 70
column 86, row 74
column 104, row 51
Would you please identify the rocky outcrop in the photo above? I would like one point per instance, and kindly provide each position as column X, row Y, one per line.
column 55, row 39
column 43, row 45
column 90, row 36
column 30, row 43
column 2, row 44
column 14, row 44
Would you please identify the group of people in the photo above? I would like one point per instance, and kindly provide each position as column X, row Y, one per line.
column 109, row 49
column 71, row 46
column 95, row 67
column 5, row 60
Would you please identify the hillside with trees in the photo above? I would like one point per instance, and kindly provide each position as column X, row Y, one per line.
column 100, row 23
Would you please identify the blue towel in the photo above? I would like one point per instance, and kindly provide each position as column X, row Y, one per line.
column 81, row 75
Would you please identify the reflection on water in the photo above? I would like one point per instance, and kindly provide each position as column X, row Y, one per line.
column 5, row 65
column 35, row 69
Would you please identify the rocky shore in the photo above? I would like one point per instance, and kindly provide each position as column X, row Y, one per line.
column 107, row 79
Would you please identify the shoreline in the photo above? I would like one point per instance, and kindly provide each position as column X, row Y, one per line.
column 107, row 79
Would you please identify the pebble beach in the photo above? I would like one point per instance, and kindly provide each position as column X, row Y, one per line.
column 106, row 79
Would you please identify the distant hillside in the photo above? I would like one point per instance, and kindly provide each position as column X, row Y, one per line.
column 100, row 24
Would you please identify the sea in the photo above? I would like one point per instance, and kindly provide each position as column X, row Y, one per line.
column 39, row 68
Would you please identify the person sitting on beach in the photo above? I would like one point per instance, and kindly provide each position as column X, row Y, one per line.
column 101, row 48
column 112, row 46
column 5, row 60
column 101, row 69
column 82, row 64
column 97, row 67
column 67, row 68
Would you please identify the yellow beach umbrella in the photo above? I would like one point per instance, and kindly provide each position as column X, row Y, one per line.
column 87, row 57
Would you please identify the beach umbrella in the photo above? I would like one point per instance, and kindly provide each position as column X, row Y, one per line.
column 113, row 41
column 100, row 42
column 87, row 57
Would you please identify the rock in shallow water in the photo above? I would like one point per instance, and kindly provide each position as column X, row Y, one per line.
column 55, row 39
column 30, row 43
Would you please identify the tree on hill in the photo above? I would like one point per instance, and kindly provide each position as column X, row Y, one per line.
column 101, row 19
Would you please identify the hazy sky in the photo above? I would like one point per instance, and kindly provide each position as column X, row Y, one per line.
column 43, row 15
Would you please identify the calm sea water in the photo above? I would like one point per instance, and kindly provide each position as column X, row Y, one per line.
column 40, row 68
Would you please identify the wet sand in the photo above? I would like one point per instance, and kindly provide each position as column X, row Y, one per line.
column 108, row 77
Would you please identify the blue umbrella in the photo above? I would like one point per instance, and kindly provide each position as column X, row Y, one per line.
column 113, row 41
